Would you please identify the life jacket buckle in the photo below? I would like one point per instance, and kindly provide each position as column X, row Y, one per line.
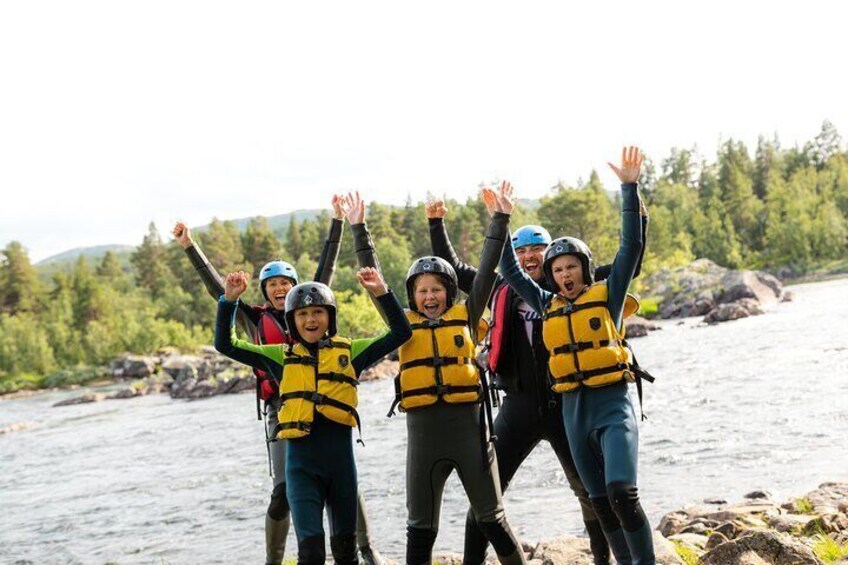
column 579, row 376
column 434, row 323
column 317, row 398
column 568, row 308
column 438, row 361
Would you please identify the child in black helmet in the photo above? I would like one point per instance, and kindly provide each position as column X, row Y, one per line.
column 318, row 391
column 439, row 388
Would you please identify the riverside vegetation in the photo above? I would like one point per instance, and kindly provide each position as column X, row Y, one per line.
column 783, row 210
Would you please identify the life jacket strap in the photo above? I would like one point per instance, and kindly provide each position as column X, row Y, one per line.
column 301, row 360
column 433, row 324
column 338, row 377
column 302, row 426
column 333, row 343
column 581, row 376
column 571, row 308
column 583, row 345
column 437, row 362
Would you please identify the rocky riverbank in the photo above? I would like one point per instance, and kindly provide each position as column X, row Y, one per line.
column 811, row 530
column 703, row 288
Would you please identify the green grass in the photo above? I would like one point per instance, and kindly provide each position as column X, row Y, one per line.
column 25, row 381
column 686, row 553
column 649, row 307
column 803, row 506
column 829, row 550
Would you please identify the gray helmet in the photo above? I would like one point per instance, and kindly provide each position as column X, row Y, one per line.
column 431, row 266
column 569, row 246
column 310, row 294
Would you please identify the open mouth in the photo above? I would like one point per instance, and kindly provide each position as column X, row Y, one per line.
column 311, row 328
column 432, row 309
column 569, row 286
column 531, row 266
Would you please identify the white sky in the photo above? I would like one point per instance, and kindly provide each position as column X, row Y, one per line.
column 114, row 114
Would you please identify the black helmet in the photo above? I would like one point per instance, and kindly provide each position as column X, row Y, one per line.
column 569, row 246
column 431, row 266
column 310, row 294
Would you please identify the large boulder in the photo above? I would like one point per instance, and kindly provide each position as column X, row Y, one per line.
column 767, row 546
column 385, row 369
column 637, row 326
column 133, row 366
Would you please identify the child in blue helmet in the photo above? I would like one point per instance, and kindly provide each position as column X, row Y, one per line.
column 590, row 364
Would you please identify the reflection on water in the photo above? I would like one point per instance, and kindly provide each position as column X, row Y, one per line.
column 756, row 403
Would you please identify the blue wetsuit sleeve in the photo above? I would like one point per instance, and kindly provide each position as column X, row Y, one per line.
column 366, row 352
column 629, row 252
column 268, row 358
column 442, row 247
column 484, row 280
column 534, row 295
column 330, row 254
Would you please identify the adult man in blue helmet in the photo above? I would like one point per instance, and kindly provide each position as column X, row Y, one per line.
column 530, row 411
column 266, row 324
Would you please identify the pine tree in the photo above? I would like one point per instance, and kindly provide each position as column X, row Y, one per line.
column 20, row 288
column 260, row 244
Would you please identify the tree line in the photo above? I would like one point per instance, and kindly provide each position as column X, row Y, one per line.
column 781, row 209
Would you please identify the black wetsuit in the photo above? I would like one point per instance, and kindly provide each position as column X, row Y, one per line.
column 530, row 411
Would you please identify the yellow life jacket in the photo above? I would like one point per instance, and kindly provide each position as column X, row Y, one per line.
column 585, row 346
column 326, row 384
column 439, row 361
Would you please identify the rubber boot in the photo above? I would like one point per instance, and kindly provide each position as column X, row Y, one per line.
column 597, row 542
column 419, row 546
column 506, row 547
column 310, row 551
column 276, row 532
column 343, row 548
column 620, row 547
column 641, row 543
column 474, row 552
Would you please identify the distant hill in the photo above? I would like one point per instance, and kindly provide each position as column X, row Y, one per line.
column 278, row 223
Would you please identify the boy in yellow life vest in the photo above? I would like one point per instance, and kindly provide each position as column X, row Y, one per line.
column 439, row 388
column 583, row 330
column 319, row 377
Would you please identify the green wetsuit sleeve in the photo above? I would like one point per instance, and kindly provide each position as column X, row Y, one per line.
column 484, row 281
column 365, row 352
column 629, row 252
column 330, row 254
column 269, row 358
column 442, row 247
column 247, row 318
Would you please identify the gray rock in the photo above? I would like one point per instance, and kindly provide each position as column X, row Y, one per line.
column 695, row 528
column 563, row 550
column 385, row 369
column 126, row 392
column 673, row 523
column 697, row 541
column 715, row 540
column 729, row 529
column 132, row 366
column 637, row 326
column 770, row 547
column 84, row 399
column 758, row 494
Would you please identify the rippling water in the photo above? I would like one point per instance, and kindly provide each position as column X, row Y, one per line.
column 756, row 403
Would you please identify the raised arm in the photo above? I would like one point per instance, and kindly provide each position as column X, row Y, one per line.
column 247, row 317
column 366, row 352
column 493, row 247
column 330, row 254
column 630, row 243
column 441, row 245
column 268, row 358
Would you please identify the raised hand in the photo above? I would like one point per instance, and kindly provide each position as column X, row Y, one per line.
column 235, row 285
column 435, row 208
column 183, row 234
column 504, row 198
column 356, row 208
column 631, row 165
column 490, row 200
column 372, row 281
column 340, row 207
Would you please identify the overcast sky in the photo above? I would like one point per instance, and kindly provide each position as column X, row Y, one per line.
column 114, row 114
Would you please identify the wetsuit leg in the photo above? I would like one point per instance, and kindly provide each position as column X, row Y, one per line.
column 555, row 434
column 342, row 494
column 515, row 442
column 277, row 519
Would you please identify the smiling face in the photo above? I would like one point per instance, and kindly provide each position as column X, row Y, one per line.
column 567, row 271
column 276, row 288
column 311, row 323
column 530, row 258
column 431, row 296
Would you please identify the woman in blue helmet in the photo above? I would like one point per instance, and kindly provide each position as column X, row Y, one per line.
column 590, row 363
column 530, row 412
column 265, row 324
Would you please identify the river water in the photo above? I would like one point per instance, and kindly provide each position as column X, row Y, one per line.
column 755, row 403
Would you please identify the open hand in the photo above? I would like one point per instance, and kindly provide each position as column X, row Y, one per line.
column 356, row 208
column 631, row 165
column 435, row 208
column 340, row 207
column 490, row 200
column 504, row 199
column 235, row 285
column 372, row 281
column 183, row 234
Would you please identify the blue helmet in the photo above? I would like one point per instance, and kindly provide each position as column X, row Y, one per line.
column 530, row 235
column 276, row 269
